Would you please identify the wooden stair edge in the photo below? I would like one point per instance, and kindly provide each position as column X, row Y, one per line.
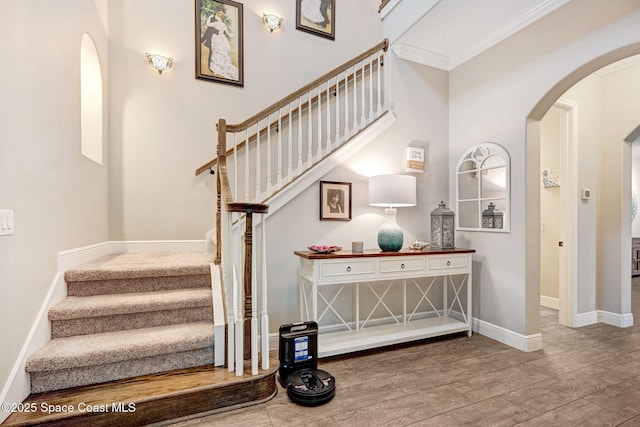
column 155, row 398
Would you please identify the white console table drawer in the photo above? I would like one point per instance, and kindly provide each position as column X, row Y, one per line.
column 448, row 262
column 399, row 265
column 347, row 270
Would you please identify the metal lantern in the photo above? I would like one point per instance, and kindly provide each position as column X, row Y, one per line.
column 492, row 217
column 442, row 227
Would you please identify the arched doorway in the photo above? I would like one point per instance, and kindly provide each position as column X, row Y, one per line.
column 617, row 309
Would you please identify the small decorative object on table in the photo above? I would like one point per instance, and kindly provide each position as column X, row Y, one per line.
column 442, row 227
column 418, row 245
column 322, row 249
column 357, row 247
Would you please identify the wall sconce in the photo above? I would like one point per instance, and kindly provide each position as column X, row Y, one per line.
column 391, row 192
column 159, row 63
column 272, row 22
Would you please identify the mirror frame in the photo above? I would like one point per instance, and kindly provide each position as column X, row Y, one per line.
column 478, row 155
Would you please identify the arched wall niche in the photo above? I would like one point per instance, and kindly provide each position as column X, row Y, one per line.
column 91, row 101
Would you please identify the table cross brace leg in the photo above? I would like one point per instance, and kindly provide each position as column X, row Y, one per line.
column 424, row 297
column 456, row 297
column 380, row 301
column 329, row 306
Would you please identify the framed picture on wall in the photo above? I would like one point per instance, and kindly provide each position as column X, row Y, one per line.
column 335, row 201
column 219, row 41
column 317, row 17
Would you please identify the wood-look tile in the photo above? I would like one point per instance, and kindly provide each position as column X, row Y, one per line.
column 494, row 383
column 622, row 398
column 577, row 413
column 286, row 413
column 404, row 410
column 553, row 392
column 494, row 412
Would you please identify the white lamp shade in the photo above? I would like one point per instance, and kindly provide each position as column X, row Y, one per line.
column 392, row 190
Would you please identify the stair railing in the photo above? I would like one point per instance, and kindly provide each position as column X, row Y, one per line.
column 260, row 157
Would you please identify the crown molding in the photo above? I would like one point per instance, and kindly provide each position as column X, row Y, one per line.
column 512, row 27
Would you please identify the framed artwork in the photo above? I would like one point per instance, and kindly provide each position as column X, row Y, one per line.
column 219, row 41
column 317, row 17
column 335, row 201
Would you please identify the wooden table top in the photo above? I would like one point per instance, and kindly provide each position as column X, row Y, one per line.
column 379, row 253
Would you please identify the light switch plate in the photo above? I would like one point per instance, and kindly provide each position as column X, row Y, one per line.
column 6, row 222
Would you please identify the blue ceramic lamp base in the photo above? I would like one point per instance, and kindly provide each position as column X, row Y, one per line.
column 390, row 237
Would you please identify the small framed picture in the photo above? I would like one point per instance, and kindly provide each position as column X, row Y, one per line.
column 219, row 41
column 335, row 201
column 317, row 17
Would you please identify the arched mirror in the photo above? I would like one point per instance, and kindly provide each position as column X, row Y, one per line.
column 482, row 189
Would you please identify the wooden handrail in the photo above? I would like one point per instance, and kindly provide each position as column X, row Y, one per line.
column 383, row 4
column 263, row 130
column 384, row 45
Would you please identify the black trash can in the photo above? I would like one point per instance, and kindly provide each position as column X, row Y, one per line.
column 299, row 374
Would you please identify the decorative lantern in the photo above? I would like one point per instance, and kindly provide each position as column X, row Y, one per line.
column 442, row 227
column 492, row 217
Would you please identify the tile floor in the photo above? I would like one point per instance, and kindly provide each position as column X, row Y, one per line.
column 588, row 376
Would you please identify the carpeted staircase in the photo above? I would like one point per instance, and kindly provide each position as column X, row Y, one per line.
column 127, row 315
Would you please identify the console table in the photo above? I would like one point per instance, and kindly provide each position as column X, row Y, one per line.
column 441, row 303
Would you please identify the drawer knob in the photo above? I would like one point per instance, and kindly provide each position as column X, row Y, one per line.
column 448, row 262
column 348, row 269
column 402, row 266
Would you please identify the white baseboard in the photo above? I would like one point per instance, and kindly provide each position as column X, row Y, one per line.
column 601, row 316
column 18, row 385
column 550, row 302
column 508, row 337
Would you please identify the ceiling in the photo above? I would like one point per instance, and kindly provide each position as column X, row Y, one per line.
column 454, row 31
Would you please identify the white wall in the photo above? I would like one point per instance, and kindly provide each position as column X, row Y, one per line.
column 163, row 127
column 421, row 100
column 551, row 140
column 491, row 97
column 635, row 185
column 60, row 198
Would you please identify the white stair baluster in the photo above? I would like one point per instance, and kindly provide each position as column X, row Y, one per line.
column 355, row 101
column 346, row 105
column 300, row 134
column 319, row 107
column 289, row 148
column 309, row 133
column 279, row 149
column 328, row 117
column 246, row 164
column 254, row 309
column 379, row 84
column 363, row 88
column 371, row 88
column 258, row 158
column 264, row 321
column 269, row 188
column 337, row 140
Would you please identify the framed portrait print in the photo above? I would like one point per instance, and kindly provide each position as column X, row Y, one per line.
column 335, row 201
column 219, row 41
column 317, row 17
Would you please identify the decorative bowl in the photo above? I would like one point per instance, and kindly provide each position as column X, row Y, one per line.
column 419, row 245
column 322, row 249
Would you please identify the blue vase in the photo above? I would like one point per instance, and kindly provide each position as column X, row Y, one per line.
column 390, row 237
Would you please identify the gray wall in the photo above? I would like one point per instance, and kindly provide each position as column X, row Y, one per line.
column 59, row 197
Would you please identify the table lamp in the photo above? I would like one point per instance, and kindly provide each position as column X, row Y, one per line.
column 391, row 192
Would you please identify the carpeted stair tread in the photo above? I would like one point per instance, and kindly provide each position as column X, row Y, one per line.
column 120, row 304
column 138, row 265
column 112, row 347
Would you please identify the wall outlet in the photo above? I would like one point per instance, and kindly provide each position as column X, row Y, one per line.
column 6, row 222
